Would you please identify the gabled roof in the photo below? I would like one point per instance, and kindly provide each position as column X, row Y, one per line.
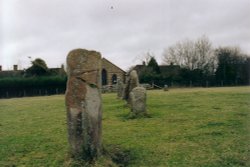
column 113, row 64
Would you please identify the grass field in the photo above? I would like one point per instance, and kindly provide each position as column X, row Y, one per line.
column 208, row 127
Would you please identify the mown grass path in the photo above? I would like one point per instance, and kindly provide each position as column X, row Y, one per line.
column 187, row 127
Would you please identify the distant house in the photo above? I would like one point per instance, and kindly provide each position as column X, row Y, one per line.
column 19, row 73
column 166, row 70
column 11, row 73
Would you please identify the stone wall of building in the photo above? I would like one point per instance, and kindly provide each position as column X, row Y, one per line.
column 110, row 73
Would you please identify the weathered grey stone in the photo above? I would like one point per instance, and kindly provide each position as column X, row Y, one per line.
column 132, row 82
column 83, row 103
column 138, row 100
column 165, row 88
column 120, row 87
column 125, row 90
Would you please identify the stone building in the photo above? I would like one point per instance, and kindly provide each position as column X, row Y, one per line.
column 111, row 72
column 11, row 73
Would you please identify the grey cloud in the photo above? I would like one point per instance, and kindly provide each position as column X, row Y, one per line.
column 121, row 30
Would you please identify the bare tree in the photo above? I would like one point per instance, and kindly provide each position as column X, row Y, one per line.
column 206, row 59
column 146, row 57
column 182, row 53
column 191, row 54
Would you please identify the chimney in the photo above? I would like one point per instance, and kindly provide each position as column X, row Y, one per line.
column 15, row 67
column 0, row 68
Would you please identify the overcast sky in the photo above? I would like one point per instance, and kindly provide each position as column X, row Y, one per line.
column 122, row 30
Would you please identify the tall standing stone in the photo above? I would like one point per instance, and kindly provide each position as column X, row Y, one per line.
column 132, row 82
column 126, row 87
column 138, row 99
column 84, row 104
column 120, row 88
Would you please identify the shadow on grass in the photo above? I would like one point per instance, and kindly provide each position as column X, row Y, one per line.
column 241, row 114
column 230, row 160
column 214, row 133
column 131, row 116
column 128, row 115
column 112, row 156
column 121, row 157
column 229, row 123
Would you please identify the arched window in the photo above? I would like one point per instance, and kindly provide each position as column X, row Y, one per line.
column 104, row 77
column 114, row 79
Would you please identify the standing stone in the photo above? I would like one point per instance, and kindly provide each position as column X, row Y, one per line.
column 124, row 94
column 165, row 88
column 120, row 88
column 83, row 103
column 138, row 101
column 132, row 82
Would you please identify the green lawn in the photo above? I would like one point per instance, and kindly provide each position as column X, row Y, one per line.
column 208, row 127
